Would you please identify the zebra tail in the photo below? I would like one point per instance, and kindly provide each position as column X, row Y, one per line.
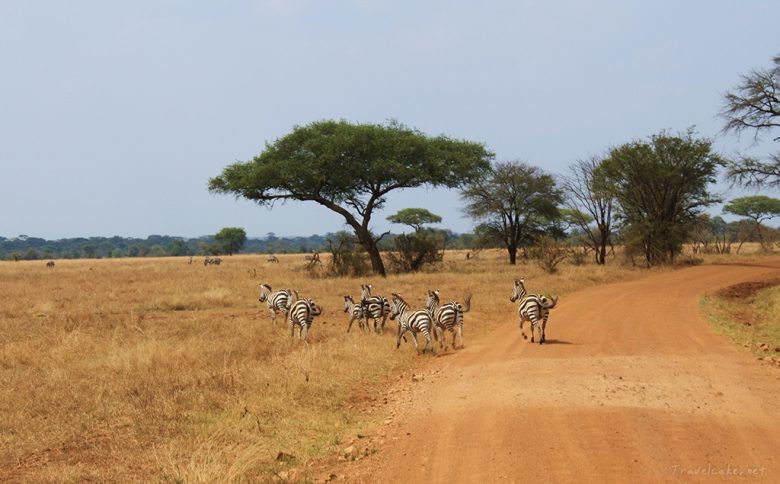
column 467, row 304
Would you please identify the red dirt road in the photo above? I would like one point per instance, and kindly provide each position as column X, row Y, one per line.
column 633, row 386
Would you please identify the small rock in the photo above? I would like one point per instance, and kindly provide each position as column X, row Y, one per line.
column 350, row 452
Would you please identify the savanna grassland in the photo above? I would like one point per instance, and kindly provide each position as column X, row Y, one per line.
column 156, row 369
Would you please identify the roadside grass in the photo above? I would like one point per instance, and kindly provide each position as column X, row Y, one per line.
column 156, row 369
column 751, row 320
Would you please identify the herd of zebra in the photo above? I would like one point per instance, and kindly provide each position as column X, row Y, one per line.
column 431, row 322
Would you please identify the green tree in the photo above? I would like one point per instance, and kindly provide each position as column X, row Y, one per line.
column 758, row 208
column 424, row 246
column 414, row 217
column 754, row 106
column 231, row 239
column 514, row 204
column 350, row 169
column 661, row 185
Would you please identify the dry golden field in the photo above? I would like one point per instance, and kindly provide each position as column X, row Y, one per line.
column 159, row 370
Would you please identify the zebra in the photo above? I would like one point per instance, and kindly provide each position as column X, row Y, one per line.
column 301, row 313
column 276, row 301
column 212, row 260
column 356, row 311
column 447, row 316
column 377, row 307
column 533, row 307
column 272, row 259
column 418, row 321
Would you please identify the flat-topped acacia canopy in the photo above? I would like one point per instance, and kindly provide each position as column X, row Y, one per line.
column 350, row 168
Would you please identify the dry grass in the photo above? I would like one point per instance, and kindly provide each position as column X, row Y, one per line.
column 154, row 369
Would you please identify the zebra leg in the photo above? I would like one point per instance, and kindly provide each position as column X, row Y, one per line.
column 400, row 333
column 533, row 328
column 416, row 346
column 366, row 327
column 543, row 338
column 523, row 332
column 292, row 329
column 273, row 315
column 460, row 334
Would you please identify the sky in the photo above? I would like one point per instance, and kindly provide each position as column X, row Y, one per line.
column 114, row 115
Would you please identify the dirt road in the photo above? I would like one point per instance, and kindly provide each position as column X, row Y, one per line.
column 633, row 386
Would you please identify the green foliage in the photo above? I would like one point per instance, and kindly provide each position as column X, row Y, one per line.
column 514, row 203
column 414, row 217
column 661, row 185
column 414, row 251
column 757, row 207
column 231, row 239
column 350, row 169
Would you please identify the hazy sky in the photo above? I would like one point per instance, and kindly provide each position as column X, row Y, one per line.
column 114, row 114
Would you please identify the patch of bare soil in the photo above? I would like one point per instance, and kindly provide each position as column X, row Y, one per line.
column 633, row 386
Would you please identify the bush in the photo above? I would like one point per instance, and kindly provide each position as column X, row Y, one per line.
column 347, row 256
column 415, row 250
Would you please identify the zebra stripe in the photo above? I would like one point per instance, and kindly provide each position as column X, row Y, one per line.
column 378, row 307
column 447, row 316
column 418, row 321
column 276, row 301
column 356, row 311
column 533, row 308
column 301, row 313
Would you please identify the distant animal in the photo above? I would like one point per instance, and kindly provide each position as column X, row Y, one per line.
column 447, row 316
column 313, row 258
column 301, row 313
column 190, row 261
column 378, row 307
column 276, row 301
column 356, row 311
column 412, row 321
column 272, row 259
column 50, row 264
column 212, row 260
column 534, row 308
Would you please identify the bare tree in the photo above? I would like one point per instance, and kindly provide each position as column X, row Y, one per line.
column 754, row 106
column 592, row 209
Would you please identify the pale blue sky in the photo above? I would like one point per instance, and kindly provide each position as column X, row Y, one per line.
column 114, row 114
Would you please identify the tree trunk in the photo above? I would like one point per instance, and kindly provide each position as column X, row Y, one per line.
column 512, row 255
column 368, row 243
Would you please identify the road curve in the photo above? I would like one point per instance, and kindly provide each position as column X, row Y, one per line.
column 633, row 386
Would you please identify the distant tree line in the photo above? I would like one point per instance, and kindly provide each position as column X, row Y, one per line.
column 24, row 247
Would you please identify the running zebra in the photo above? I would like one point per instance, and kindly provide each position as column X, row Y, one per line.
column 356, row 311
column 377, row 307
column 533, row 307
column 301, row 313
column 212, row 260
column 272, row 259
column 446, row 316
column 277, row 301
column 418, row 321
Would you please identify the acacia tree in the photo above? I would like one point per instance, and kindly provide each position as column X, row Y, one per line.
column 231, row 239
column 661, row 186
column 424, row 246
column 514, row 204
column 757, row 208
column 350, row 169
column 754, row 106
column 590, row 204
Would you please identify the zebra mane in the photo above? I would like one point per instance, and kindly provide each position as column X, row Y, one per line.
column 266, row 285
